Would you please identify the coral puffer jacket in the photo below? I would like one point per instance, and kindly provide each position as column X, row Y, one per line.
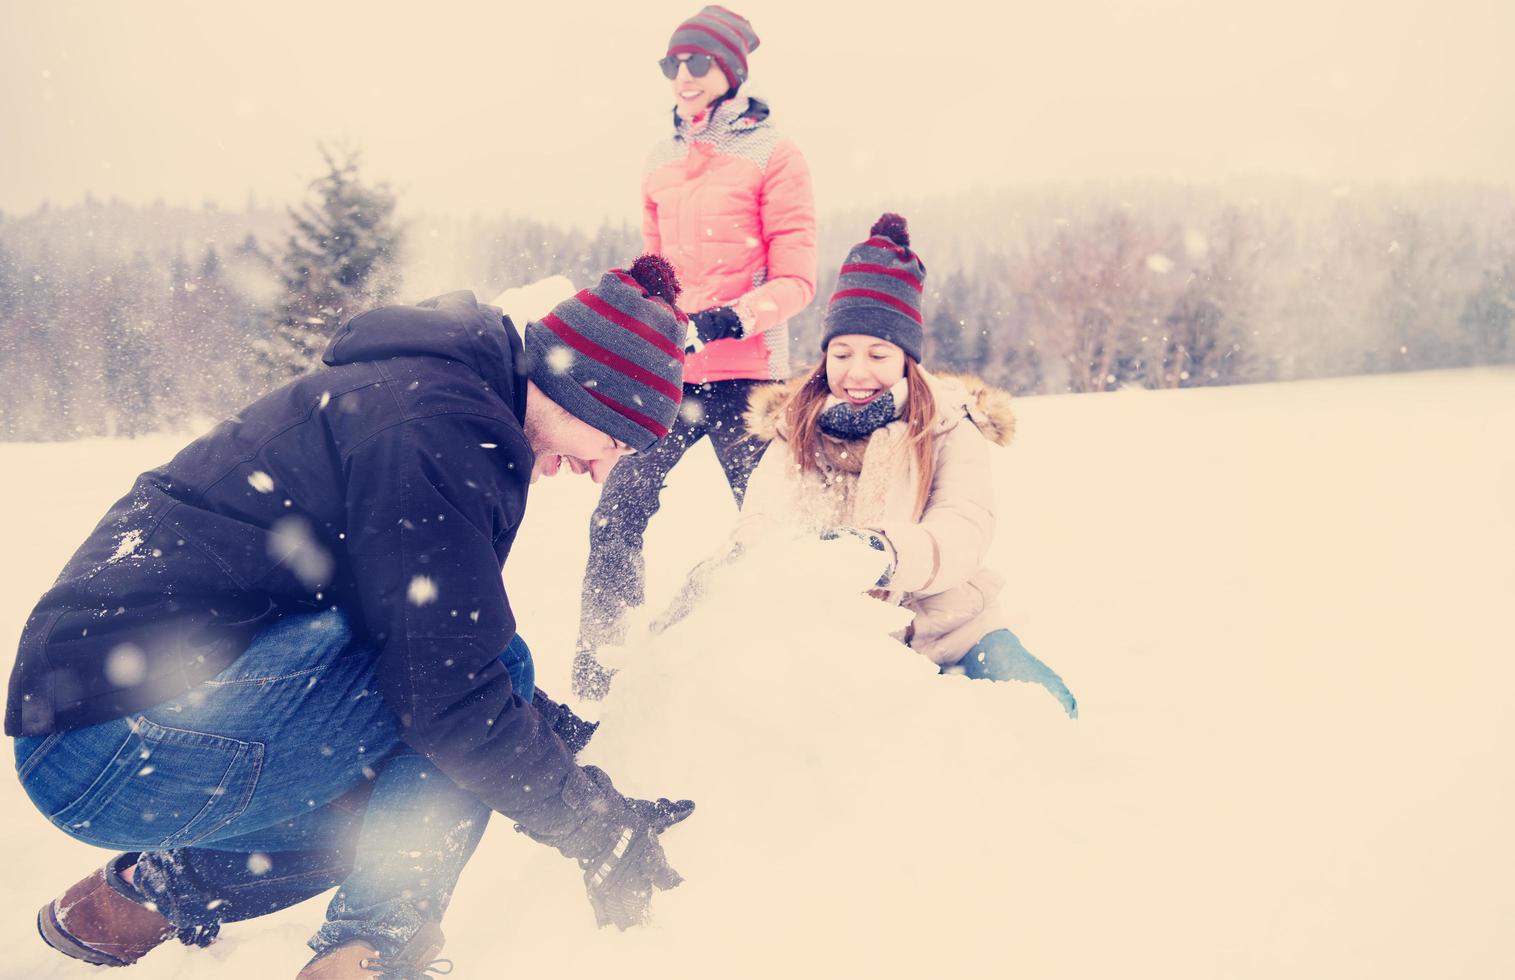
column 728, row 201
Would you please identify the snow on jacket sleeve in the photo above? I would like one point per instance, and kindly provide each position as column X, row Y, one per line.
column 950, row 542
column 787, row 210
column 427, row 501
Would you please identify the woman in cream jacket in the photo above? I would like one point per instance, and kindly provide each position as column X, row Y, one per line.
column 871, row 444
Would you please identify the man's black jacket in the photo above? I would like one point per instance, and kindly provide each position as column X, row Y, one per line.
column 390, row 483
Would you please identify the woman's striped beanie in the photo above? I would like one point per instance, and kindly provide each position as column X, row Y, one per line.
column 879, row 290
column 613, row 355
column 725, row 36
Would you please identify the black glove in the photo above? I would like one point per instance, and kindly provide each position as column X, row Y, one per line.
column 873, row 541
column 616, row 843
column 721, row 323
column 573, row 730
column 621, row 878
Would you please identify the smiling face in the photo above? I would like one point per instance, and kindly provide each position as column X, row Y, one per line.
column 560, row 439
column 859, row 368
column 692, row 96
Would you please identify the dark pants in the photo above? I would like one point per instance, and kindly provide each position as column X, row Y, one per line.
column 281, row 777
column 614, row 577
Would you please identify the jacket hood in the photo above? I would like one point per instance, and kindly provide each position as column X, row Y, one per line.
column 455, row 326
column 958, row 396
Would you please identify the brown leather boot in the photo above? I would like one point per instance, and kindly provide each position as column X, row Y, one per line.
column 353, row 960
column 356, row 960
column 103, row 920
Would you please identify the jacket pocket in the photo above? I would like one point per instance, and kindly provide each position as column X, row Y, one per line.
column 989, row 584
column 165, row 788
column 942, row 612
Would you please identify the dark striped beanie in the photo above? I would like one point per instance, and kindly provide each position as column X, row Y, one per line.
column 878, row 292
column 613, row 355
column 725, row 36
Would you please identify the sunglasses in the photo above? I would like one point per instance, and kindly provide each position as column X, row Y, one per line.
column 699, row 65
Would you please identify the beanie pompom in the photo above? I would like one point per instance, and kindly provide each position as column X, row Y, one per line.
column 657, row 277
column 893, row 227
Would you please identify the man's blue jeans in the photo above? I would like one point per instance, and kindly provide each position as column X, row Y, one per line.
column 1000, row 656
column 281, row 777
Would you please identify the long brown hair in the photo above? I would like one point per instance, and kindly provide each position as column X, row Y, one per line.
column 804, row 413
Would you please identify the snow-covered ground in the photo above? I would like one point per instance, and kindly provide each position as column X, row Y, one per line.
column 1284, row 611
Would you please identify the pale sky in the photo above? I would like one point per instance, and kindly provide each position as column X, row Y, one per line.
column 547, row 109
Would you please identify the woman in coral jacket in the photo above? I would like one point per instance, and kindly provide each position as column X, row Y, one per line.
column 871, row 446
column 727, row 200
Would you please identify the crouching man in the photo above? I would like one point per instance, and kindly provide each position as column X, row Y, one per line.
column 286, row 661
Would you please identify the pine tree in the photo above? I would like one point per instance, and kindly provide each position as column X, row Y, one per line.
column 954, row 345
column 342, row 257
column 1488, row 319
column 13, row 346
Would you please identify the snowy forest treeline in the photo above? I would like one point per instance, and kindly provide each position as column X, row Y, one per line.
column 118, row 319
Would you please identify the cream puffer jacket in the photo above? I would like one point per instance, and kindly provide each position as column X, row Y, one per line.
column 939, row 551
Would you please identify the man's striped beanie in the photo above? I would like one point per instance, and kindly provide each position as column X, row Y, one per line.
column 725, row 36
column 879, row 290
column 613, row 355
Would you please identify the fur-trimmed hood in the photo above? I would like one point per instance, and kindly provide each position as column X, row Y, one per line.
column 958, row 396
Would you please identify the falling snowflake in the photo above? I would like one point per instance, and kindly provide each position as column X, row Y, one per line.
column 560, row 359
column 422, row 591
column 259, row 864
column 126, row 665
column 261, row 482
column 1160, row 264
column 293, row 543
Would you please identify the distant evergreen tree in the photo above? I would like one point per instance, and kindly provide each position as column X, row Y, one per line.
column 13, row 396
column 954, row 345
column 342, row 256
column 118, row 318
column 1488, row 320
column 129, row 348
